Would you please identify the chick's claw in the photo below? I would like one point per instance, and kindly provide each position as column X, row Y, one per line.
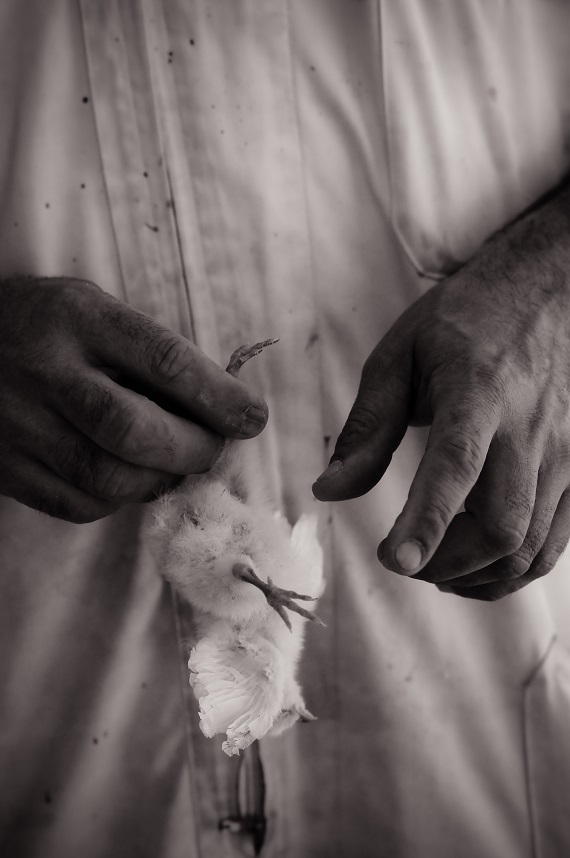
column 277, row 598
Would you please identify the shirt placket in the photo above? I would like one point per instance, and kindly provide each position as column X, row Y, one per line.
column 202, row 159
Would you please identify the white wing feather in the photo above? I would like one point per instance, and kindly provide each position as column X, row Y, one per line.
column 239, row 687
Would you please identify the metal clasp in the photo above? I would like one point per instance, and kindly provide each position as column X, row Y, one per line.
column 247, row 787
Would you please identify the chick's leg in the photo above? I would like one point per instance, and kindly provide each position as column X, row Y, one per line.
column 277, row 598
column 244, row 353
column 225, row 465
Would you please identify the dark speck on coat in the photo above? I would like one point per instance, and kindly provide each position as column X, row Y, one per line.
column 311, row 341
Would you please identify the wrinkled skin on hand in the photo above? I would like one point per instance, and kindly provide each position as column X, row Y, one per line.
column 101, row 405
column 484, row 357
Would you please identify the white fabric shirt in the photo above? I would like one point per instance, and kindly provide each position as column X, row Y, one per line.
column 240, row 170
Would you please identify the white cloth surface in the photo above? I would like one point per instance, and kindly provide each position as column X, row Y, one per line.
column 295, row 169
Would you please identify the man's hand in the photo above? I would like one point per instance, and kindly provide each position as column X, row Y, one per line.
column 484, row 357
column 77, row 436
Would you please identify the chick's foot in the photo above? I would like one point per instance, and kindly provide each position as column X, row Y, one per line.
column 277, row 598
column 244, row 353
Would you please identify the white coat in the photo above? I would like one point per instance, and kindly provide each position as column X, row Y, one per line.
column 304, row 169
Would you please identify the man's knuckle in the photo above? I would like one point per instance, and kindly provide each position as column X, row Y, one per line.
column 518, row 563
column 465, row 456
column 493, row 386
column 69, row 299
column 111, row 482
column 436, row 519
column 549, row 557
column 95, row 403
column 62, row 294
column 66, row 457
column 77, row 461
column 169, row 359
column 519, row 502
column 125, row 431
column 515, row 566
column 67, row 290
column 534, row 540
column 544, row 565
column 504, row 536
column 362, row 422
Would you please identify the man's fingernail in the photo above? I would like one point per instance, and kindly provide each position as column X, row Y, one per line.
column 331, row 471
column 409, row 556
column 253, row 421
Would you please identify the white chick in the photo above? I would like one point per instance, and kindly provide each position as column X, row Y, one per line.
column 241, row 567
